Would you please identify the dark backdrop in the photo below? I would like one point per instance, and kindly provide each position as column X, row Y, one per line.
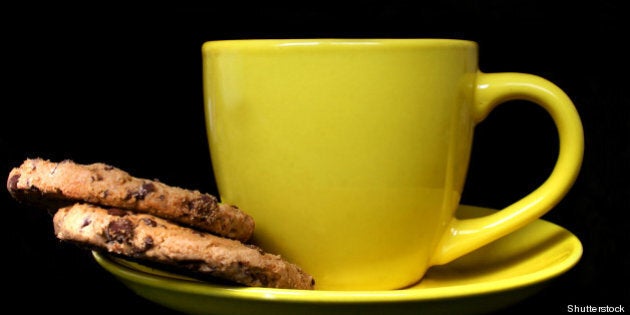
column 123, row 86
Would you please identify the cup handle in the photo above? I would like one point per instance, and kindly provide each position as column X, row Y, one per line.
column 465, row 235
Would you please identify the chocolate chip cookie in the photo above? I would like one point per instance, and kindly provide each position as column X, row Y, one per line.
column 145, row 237
column 56, row 184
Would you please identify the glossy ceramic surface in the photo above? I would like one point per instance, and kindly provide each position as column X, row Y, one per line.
column 351, row 154
column 497, row 275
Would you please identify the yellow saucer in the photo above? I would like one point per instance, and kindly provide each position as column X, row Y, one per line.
column 497, row 275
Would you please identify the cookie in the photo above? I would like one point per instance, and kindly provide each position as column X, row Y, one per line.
column 144, row 237
column 51, row 184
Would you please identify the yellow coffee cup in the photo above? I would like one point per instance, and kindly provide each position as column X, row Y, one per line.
column 351, row 154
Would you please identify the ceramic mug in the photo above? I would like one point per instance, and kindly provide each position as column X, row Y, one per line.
column 351, row 154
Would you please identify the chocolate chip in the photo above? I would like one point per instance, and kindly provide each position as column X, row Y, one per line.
column 119, row 230
column 116, row 212
column 104, row 193
column 129, row 194
column 148, row 242
column 13, row 182
column 87, row 221
column 149, row 222
column 202, row 206
column 146, row 189
column 142, row 192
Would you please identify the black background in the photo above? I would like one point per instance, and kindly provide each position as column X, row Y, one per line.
column 123, row 86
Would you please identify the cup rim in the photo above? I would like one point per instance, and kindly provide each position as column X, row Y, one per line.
column 327, row 43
